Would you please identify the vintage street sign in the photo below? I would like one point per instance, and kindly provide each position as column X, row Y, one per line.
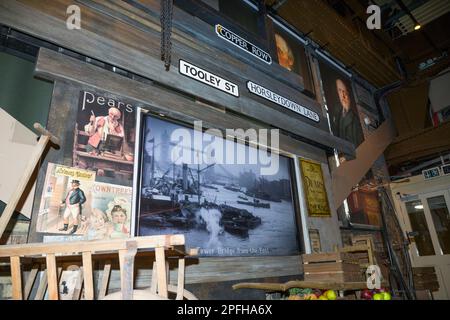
column 314, row 189
column 189, row 70
column 282, row 101
column 243, row 44
column 431, row 173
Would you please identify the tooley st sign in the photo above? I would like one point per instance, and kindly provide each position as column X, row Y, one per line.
column 189, row 70
column 243, row 44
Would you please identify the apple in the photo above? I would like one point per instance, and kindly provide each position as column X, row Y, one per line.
column 366, row 294
column 330, row 294
column 386, row 296
column 322, row 297
column 310, row 296
column 378, row 296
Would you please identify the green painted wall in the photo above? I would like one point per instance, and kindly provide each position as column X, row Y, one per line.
column 21, row 95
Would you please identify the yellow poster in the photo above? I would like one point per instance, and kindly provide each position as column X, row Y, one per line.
column 315, row 193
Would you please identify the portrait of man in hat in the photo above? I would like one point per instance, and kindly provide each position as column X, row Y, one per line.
column 73, row 203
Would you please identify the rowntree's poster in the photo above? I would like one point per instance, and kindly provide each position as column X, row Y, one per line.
column 74, row 204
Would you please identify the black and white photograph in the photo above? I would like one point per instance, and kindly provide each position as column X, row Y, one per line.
column 223, row 209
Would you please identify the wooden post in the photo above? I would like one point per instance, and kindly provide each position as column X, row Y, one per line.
column 154, row 283
column 161, row 272
column 126, row 261
column 79, row 285
column 180, row 284
column 52, row 277
column 16, row 277
column 88, row 276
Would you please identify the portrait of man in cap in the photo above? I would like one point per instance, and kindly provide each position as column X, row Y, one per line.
column 73, row 205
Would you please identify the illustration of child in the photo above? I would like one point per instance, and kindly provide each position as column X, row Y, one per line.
column 99, row 226
column 118, row 211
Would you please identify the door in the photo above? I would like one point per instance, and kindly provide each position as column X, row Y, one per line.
column 427, row 221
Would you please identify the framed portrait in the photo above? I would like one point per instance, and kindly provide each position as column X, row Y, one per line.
column 223, row 209
column 340, row 100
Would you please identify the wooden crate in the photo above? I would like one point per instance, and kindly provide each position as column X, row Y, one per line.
column 333, row 267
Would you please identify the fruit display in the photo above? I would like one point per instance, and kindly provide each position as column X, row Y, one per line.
column 315, row 294
column 311, row 294
column 376, row 294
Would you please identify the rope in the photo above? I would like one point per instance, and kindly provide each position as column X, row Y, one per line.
column 166, row 32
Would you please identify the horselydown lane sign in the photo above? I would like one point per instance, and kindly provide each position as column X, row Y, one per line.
column 282, row 101
column 189, row 70
column 243, row 44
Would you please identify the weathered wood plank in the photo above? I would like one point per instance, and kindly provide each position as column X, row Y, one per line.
column 88, row 276
column 105, row 280
column 52, row 277
column 161, row 272
column 30, row 281
column 16, row 277
column 51, row 65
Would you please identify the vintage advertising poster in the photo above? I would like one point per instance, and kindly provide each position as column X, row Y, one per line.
column 74, row 204
column 314, row 186
column 314, row 239
column 223, row 209
column 344, row 118
column 105, row 137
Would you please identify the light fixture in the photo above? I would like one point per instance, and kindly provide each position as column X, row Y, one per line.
column 419, row 207
column 417, row 27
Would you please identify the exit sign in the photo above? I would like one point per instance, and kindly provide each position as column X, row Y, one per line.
column 431, row 173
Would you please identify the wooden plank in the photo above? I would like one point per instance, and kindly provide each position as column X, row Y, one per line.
column 423, row 270
column 52, row 65
column 23, row 182
column 79, row 285
column 331, row 267
column 52, row 277
column 40, row 293
column 88, row 276
column 16, row 278
column 105, row 280
column 126, row 260
column 321, row 257
column 304, row 284
column 154, row 283
column 180, row 284
column 161, row 272
column 30, row 282
column 85, row 246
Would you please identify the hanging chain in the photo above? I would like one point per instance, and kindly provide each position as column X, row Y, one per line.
column 166, row 31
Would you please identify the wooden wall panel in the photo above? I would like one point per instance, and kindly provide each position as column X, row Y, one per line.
column 108, row 39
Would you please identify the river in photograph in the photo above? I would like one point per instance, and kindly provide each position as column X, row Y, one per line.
column 276, row 235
